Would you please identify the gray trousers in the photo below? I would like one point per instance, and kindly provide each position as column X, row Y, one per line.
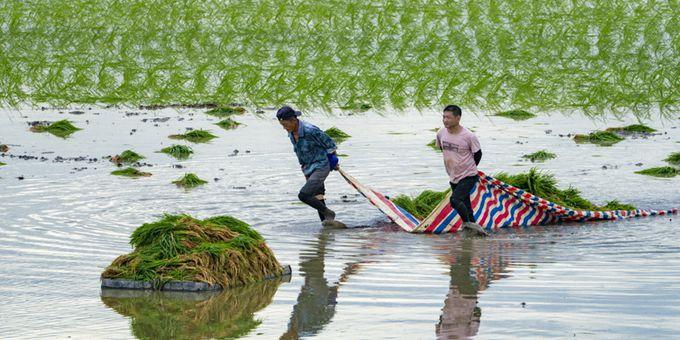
column 313, row 187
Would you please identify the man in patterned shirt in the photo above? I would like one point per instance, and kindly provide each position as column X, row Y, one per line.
column 315, row 151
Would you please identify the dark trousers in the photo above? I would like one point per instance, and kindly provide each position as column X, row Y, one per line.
column 460, row 197
column 313, row 187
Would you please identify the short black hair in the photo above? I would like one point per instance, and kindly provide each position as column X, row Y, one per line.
column 454, row 109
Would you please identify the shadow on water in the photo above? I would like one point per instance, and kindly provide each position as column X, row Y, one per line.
column 191, row 315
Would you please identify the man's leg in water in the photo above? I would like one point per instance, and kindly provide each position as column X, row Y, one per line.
column 321, row 197
column 312, row 188
column 460, row 197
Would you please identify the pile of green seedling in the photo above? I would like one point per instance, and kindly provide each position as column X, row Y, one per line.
column 337, row 135
column 387, row 55
column 611, row 136
column 665, row 171
column 62, row 128
column 126, row 157
column 632, row 129
column 219, row 250
column 539, row 156
column 195, row 136
column 1, row 163
column 228, row 124
column 189, row 181
column 539, row 183
column 178, row 151
column 516, row 114
column 130, row 172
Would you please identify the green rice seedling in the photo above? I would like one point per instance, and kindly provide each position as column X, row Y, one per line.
column 228, row 124
column 602, row 138
column 1, row 164
column 178, row 151
column 433, row 145
column 673, row 159
column 539, row 156
column 632, row 129
column 516, row 114
column 195, row 136
column 337, row 135
column 662, row 171
column 189, row 181
column 226, row 111
column 423, row 204
column 616, row 205
column 343, row 155
column 62, row 128
column 220, row 250
column 130, row 172
column 126, row 157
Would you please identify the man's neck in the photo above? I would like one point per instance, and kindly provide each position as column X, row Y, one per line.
column 454, row 129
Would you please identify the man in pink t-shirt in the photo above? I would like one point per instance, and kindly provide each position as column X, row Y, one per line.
column 462, row 154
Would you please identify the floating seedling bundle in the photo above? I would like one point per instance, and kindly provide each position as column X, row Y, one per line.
column 220, row 252
column 62, row 128
column 195, row 136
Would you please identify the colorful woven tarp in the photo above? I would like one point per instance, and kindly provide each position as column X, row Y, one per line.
column 495, row 205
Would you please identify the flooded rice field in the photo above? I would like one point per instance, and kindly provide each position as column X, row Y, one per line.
column 64, row 218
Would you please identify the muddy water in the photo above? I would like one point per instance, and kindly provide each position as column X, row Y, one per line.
column 67, row 220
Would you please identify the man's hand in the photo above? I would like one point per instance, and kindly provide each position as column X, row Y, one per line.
column 333, row 160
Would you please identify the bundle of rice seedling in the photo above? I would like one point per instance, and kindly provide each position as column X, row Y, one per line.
column 673, row 158
column 602, row 138
column 195, row 136
column 228, row 124
column 220, row 250
column 539, row 156
column 226, row 111
column 189, row 181
column 632, row 129
column 62, row 128
column 516, row 114
column 662, row 171
column 126, row 157
column 337, row 135
column 130, row 172
column 178, row 151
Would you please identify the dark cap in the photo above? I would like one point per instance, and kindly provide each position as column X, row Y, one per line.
column 286, row 112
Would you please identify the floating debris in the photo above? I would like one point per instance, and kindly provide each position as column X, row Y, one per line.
column 219, row 250
column 131, row 172
column 195, row 136
column 62, row 128
column 226, row 111
column 516, row 114
column 189, row 181
column 4, row 148
column 228, row 124
column 602, row 138
column 662, row 171
column 178, row 151
column 126, row 157
column 539, row 156
column 337, row 135
column 673, row 158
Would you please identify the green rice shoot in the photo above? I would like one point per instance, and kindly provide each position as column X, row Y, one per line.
column 539, row 156
column 1, row 163
column 516, row 114
column 62, row 128
column 189, row 181
column 433, row 145
column 337, row 135
column 180, row 152
column 602, row 138
column 195, row 136
column 662, row 171
column 127, row 157
column 673, row 158
column 130, row 172
column 228, row 124
column 632, row 129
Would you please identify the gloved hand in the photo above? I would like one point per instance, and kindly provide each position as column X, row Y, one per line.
column 333, row 160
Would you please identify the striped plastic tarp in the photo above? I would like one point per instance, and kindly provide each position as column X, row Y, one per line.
column 495, row 205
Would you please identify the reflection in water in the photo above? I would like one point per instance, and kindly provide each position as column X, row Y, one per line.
column 192, row 315
column 317, row 299
column 472, row 268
